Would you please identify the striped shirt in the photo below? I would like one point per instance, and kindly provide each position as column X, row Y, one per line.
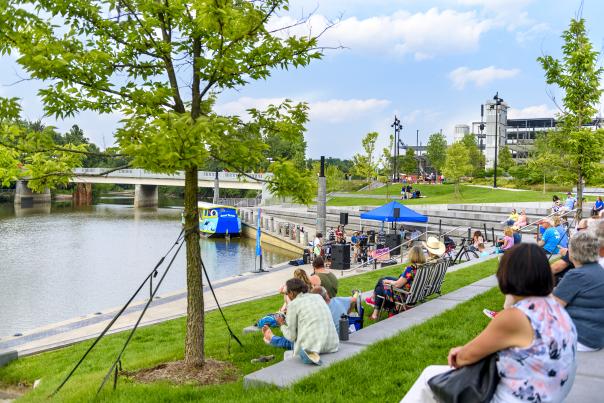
column 310, row 326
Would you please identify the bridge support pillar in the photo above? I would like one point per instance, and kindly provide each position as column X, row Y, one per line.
column 82, row 195
column 216, row 189
column 25, row 197
column 145, row 196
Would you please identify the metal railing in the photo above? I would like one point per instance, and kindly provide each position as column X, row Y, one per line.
column 141, row 173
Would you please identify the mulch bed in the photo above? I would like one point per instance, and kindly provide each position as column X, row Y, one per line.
column 213, row 372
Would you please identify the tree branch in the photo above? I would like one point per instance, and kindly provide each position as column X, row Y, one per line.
column 241, row 171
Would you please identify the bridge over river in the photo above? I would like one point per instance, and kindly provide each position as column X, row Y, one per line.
column 146, row 183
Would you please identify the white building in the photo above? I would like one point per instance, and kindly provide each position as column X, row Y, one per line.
column 495, row 125
column 460, row 131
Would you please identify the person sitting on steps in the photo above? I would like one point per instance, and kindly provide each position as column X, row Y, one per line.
column 321, row 277
column 308, row 324
column 535, row 339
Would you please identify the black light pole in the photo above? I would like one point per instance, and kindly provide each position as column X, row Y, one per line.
column 498, row 102
column 417, row 148
column 397, row 129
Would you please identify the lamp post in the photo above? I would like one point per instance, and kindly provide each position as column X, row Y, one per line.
column 498, row 102
column 397, row 129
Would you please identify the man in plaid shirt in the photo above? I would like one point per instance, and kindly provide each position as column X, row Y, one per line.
column 309, row 323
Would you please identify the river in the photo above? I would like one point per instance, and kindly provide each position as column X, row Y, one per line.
column 59, row 262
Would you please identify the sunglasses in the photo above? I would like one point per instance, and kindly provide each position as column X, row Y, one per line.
column 581, row 229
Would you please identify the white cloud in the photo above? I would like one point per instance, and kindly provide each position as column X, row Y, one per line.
column 534, row 111
column 337, row 110
column 332, row 110
column 423, row 34
column 480, row 77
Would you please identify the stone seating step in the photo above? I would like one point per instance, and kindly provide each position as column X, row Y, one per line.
column 292, row 370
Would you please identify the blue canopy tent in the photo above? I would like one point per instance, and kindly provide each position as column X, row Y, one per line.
column 385, row 213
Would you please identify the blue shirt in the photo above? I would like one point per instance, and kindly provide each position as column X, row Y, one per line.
column 599, row 205
column 570, row 203
column 338, row 306
column 583, row 291
column 551, row 238
column 563, row 238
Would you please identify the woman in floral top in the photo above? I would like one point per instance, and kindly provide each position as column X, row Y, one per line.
column 535, row 339
column 382, row 288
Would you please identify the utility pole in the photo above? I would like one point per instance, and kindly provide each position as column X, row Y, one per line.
column 397, row 129
column 417, row 148
column 322, row 199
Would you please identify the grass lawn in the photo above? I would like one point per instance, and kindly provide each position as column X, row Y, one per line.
column 400, row 359
column 444, row 194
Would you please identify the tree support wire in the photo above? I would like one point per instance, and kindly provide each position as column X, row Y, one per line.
column 149, row 277
column 117, row 362
column 232, row 335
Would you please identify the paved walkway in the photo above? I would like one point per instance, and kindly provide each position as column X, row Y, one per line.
column 170, row 306
column 499, row 188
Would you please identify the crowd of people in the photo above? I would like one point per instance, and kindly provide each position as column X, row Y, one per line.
column 551, row 310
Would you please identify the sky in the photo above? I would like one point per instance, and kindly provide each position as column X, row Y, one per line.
column 431, row 63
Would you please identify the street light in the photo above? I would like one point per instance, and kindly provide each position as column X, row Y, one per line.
column 397, row 129
column 498, row 102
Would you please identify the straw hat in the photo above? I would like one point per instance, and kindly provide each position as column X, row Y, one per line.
column 434, row 246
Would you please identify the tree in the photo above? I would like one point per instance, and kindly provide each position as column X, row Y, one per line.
column 162, row 64
column 505, row 158
column 364, row 164
column 436, row 150
column 408, row 162
column 457, row 164
column 333, row 175
column 578, row 150
column 477, row 158
column 387, row 159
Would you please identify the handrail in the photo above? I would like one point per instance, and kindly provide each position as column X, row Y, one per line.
column 454, row 229
column 375, row 258
column 557, row 213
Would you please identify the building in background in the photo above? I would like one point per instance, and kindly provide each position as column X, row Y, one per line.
column 486, row 137
column 460, row 131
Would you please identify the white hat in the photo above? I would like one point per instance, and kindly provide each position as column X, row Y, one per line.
column 434, row 246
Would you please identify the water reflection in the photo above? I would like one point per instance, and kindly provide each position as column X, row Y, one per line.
column 34, row 209
column 68, row 261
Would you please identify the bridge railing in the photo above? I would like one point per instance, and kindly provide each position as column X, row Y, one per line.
column 141, row 173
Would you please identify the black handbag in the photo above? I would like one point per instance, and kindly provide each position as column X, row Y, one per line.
column 474, row 383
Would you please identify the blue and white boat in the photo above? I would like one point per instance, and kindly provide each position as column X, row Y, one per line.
column 218, row 221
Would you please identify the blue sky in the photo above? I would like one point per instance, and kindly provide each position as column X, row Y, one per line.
column 430, row 62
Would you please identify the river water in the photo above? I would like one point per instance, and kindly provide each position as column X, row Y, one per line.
column 59, row 262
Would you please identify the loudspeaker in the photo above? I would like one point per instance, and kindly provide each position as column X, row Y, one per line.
column 392, row 241
column 343, row 218
column 397, row 212
column 340, row 257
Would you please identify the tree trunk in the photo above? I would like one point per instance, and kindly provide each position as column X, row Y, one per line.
column 194, row 342
column 579, row 196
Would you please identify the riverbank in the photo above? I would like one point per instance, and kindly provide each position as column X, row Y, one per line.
column 164, row 342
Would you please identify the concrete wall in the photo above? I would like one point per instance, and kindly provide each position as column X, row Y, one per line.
column 250, row 232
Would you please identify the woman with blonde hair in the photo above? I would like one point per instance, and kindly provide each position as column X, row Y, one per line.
column 299, row 274
column 416, row 258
